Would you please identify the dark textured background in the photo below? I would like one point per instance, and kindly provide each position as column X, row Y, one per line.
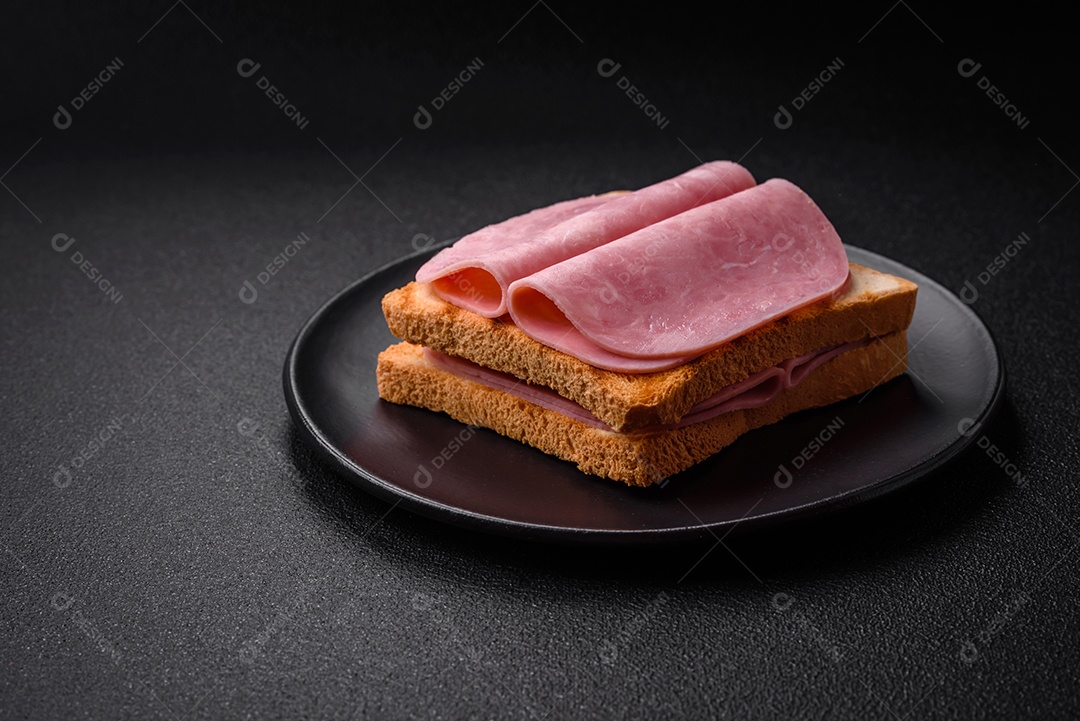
column 188, row 570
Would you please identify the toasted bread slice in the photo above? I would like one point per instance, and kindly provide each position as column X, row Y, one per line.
column 872, row 304
column 406, row 376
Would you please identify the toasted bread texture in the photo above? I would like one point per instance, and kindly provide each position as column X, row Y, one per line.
column 872, row 304
column 406, row 376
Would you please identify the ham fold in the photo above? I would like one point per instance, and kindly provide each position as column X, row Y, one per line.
column 476, row 272
column 669, row 292
column 752, row 392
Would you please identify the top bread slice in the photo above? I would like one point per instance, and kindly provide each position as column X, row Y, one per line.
column 873, row 304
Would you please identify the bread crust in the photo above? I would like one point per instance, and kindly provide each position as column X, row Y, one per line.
column 872, row 304
column 641, row 458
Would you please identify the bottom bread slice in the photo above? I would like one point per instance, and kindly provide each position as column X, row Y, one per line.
column 642, row 458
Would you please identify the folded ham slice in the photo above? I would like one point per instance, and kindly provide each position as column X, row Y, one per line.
column 752, row 392
column 476, row 271
column 668, row 293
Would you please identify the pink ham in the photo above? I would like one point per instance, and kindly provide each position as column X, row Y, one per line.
column 458, row 272
column 762, row 387
column 752, row 392
column 674, row 290
column 476, row 272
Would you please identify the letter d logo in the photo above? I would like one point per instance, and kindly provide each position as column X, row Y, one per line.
column 783, row 477
column 422, row 241
column 61, row 242
column 62, row 118
column 62, row 478
column 422, row 477
column 246, row 427
column 248, row 294
column 968, row 293
column 61, row 601
column 422, row 119
column 783, row 119
column 607, row 67
column 967, row 427
column 968, row 67
column 782, row 241
column 247, row 67
column 422, row 602
column 782, row 601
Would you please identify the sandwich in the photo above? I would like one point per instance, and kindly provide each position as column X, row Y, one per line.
column 635, row 334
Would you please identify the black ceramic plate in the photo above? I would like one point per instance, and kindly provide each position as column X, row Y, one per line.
column 809, row 463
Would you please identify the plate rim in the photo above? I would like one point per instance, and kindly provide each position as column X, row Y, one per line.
column 476, row 521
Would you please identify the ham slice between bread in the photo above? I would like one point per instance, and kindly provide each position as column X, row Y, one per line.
column 637, row 459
